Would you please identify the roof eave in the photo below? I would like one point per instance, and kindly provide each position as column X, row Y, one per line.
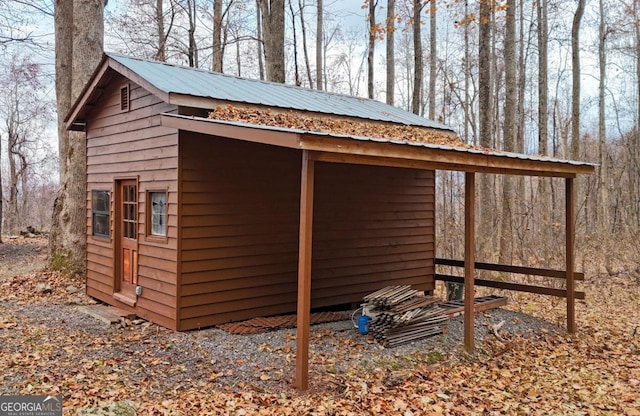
column 89, row 91
column 328, row 148
column 333, row 149
column 92, row 90
column 248, row 133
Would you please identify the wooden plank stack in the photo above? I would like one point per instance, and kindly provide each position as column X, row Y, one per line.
column 401, row 315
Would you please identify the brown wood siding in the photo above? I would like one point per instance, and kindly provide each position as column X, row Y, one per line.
column 373, row 226
column 133, row 144
column 239, row 216
column 239, row 210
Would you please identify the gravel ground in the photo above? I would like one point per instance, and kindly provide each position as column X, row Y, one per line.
column 166, row 361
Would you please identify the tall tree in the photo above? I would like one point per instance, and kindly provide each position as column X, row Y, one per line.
column 319, row 44
column 260, row 43
column 509, row 127
column 418, row 65
column 603, row 200
column 484, row 75
column 543, row 78
column 373, row 34
column 79, row 31
column 433, row 58
column 305, row 50
column 161, row 54
column 391, row 55
column 575, row 76
column 272, row 12
column 298, row 82
column 189, row 7
column 218, row 56
column 485, row 117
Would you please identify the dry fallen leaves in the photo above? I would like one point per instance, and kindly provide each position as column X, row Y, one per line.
column 332, row 125
column 596, row 371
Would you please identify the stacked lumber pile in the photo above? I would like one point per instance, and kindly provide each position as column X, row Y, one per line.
column 401, row 315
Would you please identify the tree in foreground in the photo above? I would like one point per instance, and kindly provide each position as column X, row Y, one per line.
column 79, row 32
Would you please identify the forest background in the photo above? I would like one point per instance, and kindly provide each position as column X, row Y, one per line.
column 555, row 78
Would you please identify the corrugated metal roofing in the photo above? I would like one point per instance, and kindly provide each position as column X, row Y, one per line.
column 497, row 153
column 199, row 83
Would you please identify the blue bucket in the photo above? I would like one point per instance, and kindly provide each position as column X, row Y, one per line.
column 363, row 323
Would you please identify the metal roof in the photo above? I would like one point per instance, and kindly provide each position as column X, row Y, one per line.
column 200, row 83
column 406, row 142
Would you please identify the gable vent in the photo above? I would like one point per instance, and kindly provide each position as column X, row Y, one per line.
column 124, row 98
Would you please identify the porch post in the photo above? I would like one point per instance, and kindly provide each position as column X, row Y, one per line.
column 469, row 259
column 304, row 272
column 570, row 223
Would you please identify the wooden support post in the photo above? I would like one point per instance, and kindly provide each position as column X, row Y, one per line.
column 304, row 272
column 570, row 231
column 469, row 259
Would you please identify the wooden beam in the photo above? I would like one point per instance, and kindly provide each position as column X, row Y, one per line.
column 248, row 132
column 469, row 259
column 304, row 272
column 570, row 232
column 462, row 159
column 560, row 274
column 410, row 163
column 516, row 287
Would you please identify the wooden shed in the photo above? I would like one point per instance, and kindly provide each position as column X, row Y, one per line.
column 193, row 221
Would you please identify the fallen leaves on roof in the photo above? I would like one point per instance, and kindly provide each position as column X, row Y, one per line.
column 338, row 126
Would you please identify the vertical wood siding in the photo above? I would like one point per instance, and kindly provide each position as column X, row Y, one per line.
column 132, row 144
column 239, row 208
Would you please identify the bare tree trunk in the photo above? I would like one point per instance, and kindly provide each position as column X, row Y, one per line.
column 466, row 79
column 391, row 55
column 485, row 120
column 1, row 196
column 192, row 52
column 295, row 45
column 161, row 54
column 79, row 28
column 260, row 42
column 510, row 103
column 543, row 79
column 273, row 27
column 433, row 59
column 418, row 67
column 603, row 201
column 634, row 150
column 371, row 47
column 544, row 201
column 12, row 202
column 575, row 89
column 319, row 45
column 304, row 43
column 217, row 58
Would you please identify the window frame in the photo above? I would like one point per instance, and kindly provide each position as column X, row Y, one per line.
column 149, row 215
column 95, row 212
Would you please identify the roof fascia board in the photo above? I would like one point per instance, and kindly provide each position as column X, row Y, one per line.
column 424, row 165
column 85, row 95
column 449, row 159
column 249, row 134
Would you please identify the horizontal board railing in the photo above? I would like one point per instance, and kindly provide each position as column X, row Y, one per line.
column 519, row 287
column 561, row 274
column 561, row 293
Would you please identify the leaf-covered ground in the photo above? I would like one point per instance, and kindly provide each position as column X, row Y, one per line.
column 594, row 372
